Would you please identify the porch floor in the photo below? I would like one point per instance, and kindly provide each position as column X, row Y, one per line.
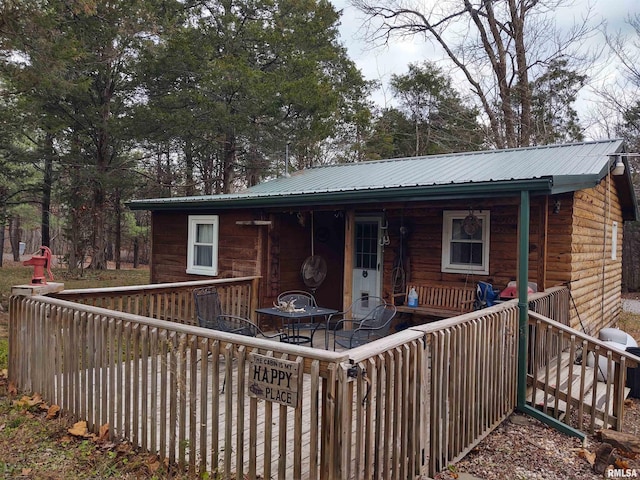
column 154, row 413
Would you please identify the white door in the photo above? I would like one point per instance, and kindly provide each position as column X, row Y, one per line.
column 367, row 261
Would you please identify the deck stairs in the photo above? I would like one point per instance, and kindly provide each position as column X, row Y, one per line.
column 573, row 378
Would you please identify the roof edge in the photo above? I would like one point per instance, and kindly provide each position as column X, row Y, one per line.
column 346, row 197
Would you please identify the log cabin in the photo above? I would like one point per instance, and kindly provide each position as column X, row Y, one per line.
column 371, row 228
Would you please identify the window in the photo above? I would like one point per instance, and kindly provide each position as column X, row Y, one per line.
column 202, row 253
column 465, row 242
column 366, row 254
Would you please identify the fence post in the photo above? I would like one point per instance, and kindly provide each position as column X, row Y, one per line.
column 253, row 302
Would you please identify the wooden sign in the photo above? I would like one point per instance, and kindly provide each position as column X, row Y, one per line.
column 273, row 379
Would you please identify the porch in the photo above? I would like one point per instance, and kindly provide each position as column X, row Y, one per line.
column 403, row 406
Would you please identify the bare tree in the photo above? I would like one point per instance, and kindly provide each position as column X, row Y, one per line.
column 500, row 47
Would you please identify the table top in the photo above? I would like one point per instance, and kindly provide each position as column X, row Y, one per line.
column 308, row 312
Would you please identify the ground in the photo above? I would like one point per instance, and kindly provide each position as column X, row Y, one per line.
column 522, row 448
column 34, row 446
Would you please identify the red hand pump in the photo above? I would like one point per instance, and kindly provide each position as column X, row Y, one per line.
column 39, row 263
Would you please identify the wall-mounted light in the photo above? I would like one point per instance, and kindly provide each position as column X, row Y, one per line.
column 556, row 207
column 618, row 168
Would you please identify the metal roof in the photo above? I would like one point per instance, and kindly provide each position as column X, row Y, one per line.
column 546, row 169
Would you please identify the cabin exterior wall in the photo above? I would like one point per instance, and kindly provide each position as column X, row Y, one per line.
column 570, row 243
column 239, row 247
column 596, row 272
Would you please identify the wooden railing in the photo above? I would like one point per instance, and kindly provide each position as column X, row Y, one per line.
column 574, row 377
column 177, row 390
column 473, row 383
column 170, row 301
column 404, row 406
column 382, row 396
column 552, row 303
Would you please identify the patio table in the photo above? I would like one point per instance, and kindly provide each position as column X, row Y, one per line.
column 295, row 323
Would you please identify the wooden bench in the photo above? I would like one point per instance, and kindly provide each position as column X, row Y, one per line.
column 441, row 301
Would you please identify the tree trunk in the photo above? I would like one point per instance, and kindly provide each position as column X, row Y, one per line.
column 118, row 229
column 14, row 237
column 136, row 253
column 190, row 189
column 3, row 225
column 47, row 181
column 228, row 161
column 99, row 243
column 523, row 86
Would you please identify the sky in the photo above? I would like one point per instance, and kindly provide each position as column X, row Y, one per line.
column 379, row 63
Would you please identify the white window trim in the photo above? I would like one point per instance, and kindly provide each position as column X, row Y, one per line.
column 447, row 221
column 194, row 221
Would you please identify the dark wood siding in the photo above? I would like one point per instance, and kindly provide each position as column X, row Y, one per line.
column 239, row 247
column 424, row 247
column 568, row 245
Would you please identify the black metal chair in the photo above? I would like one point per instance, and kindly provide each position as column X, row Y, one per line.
column 358, row 309
column 373, row 326
column 209, row 313
column 300, row 299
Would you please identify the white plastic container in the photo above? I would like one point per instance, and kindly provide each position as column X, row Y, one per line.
column 413, row 298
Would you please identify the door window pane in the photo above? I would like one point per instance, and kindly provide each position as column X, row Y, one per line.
column 366, row 246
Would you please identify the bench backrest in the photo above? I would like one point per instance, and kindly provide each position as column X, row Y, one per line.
column 459, row 299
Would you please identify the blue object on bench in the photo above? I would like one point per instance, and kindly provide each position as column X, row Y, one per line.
column 486, row 296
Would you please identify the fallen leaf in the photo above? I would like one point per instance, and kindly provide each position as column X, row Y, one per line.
column 28, row 402
column 124, row 447
column 52, row 412
column 154, row 466
column 79, row 429
column 26, row 471
column 104, row 433
column 587, row 455
column 622, row 463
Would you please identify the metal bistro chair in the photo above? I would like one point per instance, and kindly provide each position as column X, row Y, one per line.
column 209, row 313
column 372, row 327
column 359, row 309
column 301, row 299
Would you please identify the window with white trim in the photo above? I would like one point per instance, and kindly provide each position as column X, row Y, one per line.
column 465, row 242
column 202, row 247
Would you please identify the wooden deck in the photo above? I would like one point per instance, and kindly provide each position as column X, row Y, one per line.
column 576, row 385
column 248, row 425
column 404, row 406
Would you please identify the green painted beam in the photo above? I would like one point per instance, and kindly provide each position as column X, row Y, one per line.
column 523, row 304
column 552, row 422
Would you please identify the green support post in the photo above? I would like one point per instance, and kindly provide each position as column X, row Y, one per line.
column 523, row 325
